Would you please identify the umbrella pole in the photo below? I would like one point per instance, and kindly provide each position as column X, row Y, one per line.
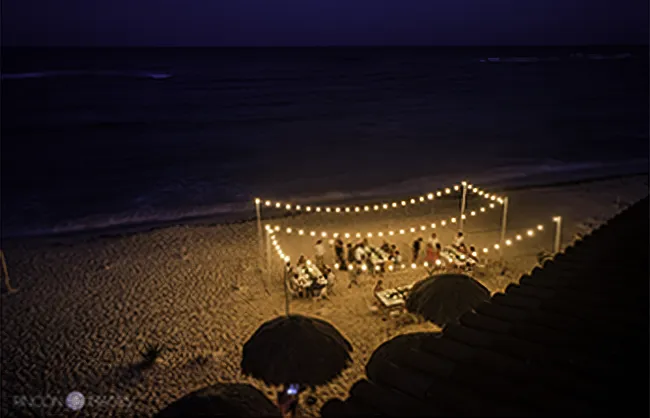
column 259, row 230
column 504, row 222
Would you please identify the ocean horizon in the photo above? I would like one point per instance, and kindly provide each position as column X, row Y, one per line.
column 109, row 137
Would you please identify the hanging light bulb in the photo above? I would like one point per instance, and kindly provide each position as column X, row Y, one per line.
column 277, row 205
column 430, row 196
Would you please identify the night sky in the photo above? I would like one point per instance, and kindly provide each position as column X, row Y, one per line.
column 320, row 22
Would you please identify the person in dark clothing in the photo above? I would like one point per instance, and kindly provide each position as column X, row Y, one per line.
column 339, row 250
column 351, row 258
column 417, row 245
column 288, row 400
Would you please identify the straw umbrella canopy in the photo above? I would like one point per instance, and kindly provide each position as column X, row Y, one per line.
column 296, row 349
column 222, row 400
column 443, row 298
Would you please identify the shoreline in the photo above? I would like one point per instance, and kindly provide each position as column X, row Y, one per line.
column 125, row 230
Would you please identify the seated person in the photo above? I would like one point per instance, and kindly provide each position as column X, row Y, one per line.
column 302, row 261
column 473, row 253
column 458, row 240
column 463, row 249
column 385, row 247
column 393, row 250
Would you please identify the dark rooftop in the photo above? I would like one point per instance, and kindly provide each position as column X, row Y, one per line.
column 570, row 339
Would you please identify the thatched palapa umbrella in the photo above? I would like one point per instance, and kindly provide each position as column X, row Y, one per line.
column 296, row 349
column 443, row 298
column 222, row 400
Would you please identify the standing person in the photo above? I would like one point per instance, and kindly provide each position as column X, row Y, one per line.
column 417, row 245
column 430, row 254
column 433, row 240
column 288, row 400
column 319, row 249
column 351, row 257
column 339, row 250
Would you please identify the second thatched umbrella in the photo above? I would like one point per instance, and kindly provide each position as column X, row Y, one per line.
column 443, row 298
column 296, row 349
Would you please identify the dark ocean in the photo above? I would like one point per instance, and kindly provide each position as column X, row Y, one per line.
column 107, row 137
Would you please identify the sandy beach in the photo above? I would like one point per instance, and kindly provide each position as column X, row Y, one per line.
column 85, row 306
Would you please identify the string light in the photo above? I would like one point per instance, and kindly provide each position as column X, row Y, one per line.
column 425, row 264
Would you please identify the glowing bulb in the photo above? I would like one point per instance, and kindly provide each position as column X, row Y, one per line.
column 312, row 233
column 358, row 235
column 369, row 234
column 336, row 235
column 401, row 231
column 464, row 183
column 482, row 209
column 403, row 203
column 433, row 225
column 456, row 187
column 475, row 190
column 421, row 198
column 540, row 227
column 288, row 230
column 366, row 208
column 485, row 250
column 438, row 262
column 324, row 234
column 443, row 223
column 267, row 203
column 430, row 196
column 377, row 207
column 412, row 201
column 530, row 232
column 491, row 205
column 385, row 206
column 462, row 256
column 426, row 264
column 557, row 218
column 391, row 233
column 473, row 213
column 301, row 232
column 414, row 265
column 423, row 227
column 297, row 207
column 268, row 227
column 390, row 267
column 453, row 220
column 500, row 200
column 347, row 209
column 487, row 195
column 412, row 229
column 447, row 190
column 463, row 216
column 394, row 204
column 508, row 242
column 308, row 208
column 493, row 197
column 288, row 207
column 364, row 267
column 403, row 265
column 347, row 235
column 480, row 192
column 257, row 200
column 350, row 267
column 496, row 246
column 277, row 228
column 474, row 254
column 336, row 265
column 318, row 209
column 277, row 205
column 439, row 194
column 308, row 262
column 328, row 209
column 381, row 234
column 518, row 237
column 377, row 268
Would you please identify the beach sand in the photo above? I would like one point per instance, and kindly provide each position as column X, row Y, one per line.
column 86, row 305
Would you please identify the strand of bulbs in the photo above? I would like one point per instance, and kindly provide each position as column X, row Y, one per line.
column 381, row 205
column 413, row 229
column 530, row 233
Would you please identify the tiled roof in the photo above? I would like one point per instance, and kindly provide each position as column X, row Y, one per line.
column 570, row 339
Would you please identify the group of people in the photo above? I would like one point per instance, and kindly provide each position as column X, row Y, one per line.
column 320, row 283
column 433, row 249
